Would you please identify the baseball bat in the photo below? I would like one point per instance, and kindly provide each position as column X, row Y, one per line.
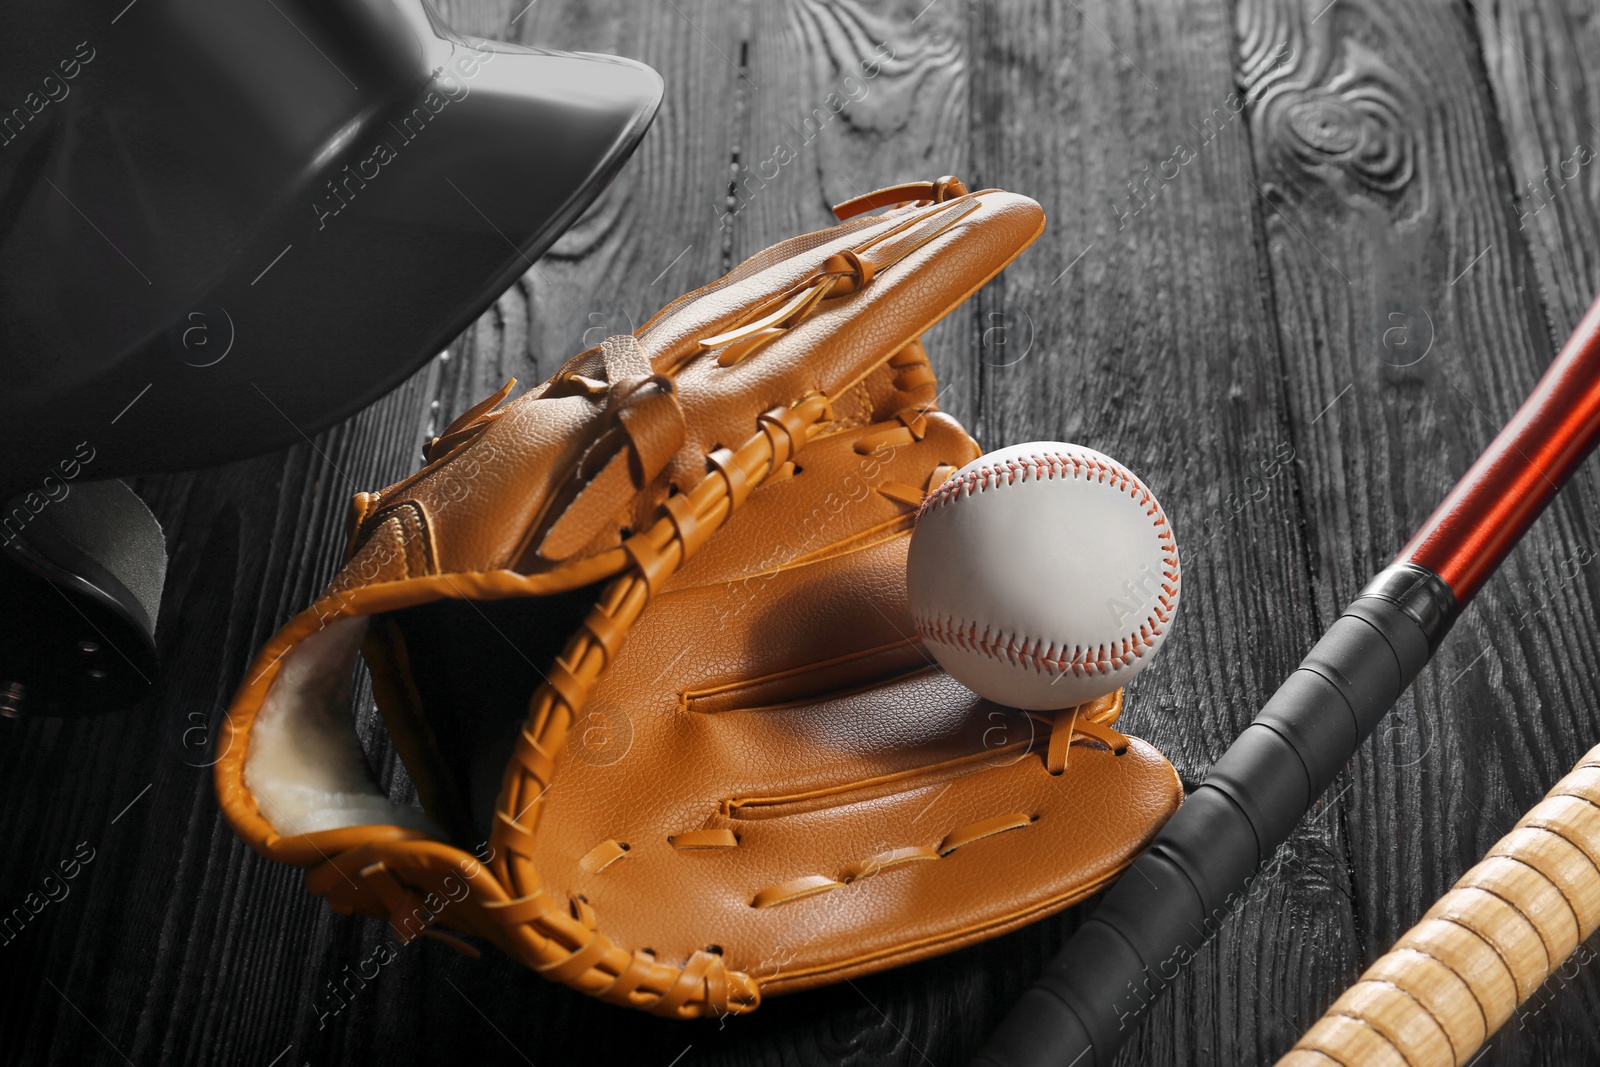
column 1161, row 911
column 1455, row 978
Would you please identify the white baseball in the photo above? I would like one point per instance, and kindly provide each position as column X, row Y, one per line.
column 1042, row 575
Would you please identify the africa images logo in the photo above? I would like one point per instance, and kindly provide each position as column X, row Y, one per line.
column 450, row 86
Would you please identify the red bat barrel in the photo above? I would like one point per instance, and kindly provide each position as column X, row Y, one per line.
column 1495, row 502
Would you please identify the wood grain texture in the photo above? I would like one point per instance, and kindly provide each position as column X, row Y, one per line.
column 1403, row 289
column 1125, row 123
column 1211, row 304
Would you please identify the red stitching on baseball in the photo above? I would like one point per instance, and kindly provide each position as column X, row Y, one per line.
column 1035, row 653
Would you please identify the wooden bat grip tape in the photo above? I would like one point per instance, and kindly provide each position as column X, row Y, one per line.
column 1453, row 979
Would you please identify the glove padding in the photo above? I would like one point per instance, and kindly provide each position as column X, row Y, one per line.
column 739, row 772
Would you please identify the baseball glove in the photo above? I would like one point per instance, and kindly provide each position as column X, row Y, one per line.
column 640, row 637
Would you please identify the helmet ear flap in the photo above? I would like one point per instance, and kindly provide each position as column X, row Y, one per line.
column 82, row 564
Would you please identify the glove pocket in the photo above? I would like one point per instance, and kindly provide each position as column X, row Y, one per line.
column 842, row 868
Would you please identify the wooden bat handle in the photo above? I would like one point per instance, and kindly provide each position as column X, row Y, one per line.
column 1484, row 948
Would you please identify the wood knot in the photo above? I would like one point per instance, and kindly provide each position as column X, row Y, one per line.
column 1357, row 129
column 1326, row 125
column 1329, row 108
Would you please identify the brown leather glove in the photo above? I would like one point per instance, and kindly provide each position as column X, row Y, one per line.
column 738, row 772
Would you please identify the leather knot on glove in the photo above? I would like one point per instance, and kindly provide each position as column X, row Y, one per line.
column 647, row 429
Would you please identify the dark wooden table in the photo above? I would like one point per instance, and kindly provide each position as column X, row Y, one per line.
column 1303, row 260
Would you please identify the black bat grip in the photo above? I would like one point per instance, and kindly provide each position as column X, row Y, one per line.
column 1200, row 866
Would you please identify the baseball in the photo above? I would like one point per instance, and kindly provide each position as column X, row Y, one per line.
column 1042, row 575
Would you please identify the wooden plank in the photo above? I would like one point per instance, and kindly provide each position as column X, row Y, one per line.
column 1402, row 292
column 1154, row 341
